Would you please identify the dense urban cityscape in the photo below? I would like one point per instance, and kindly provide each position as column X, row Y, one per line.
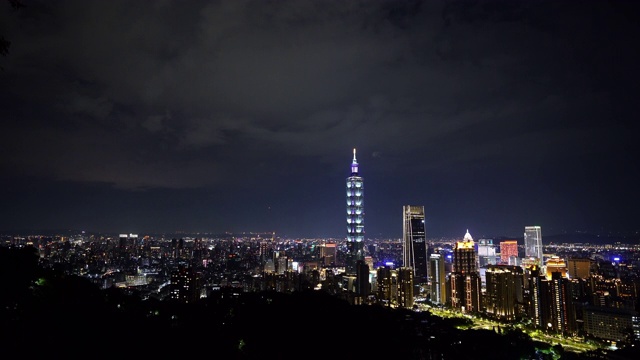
column 304, row 179
column 581, row 299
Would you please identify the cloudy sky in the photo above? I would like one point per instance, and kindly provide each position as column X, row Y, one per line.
column 216, row 116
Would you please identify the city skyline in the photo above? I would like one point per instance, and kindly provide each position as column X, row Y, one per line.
column 234, row 116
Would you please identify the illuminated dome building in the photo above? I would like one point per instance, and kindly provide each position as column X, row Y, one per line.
column 465, row 279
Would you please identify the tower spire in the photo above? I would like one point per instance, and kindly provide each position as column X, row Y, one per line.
column 354, row 164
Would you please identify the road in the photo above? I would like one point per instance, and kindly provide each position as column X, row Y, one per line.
column 575, row 344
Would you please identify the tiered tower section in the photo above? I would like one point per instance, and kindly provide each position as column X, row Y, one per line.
column 355, row 218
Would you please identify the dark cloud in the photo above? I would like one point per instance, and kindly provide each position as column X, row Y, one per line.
column 273, row 95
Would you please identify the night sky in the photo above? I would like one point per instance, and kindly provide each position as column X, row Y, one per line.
column 239, row 116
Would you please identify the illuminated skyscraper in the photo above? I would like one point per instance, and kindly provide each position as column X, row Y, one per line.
column 465, row 279
column 504, row 286
column 533, row 243
column 549, row 298
column 464, row 256
column 556, row 308
column 405, row 288
column 355, row 218
column 414, row 249
column 437, row 278
column 533, row 294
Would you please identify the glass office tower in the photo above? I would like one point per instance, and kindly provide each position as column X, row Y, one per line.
column 414, row 248
column 355, row 218
column 533, row 244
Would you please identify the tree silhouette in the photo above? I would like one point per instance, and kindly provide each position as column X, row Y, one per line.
column 18, row 272
column 5, row 43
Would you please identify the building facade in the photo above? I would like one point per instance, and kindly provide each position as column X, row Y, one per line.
column 579, row 268
column 509, row 252
column 486, row 253
column 555, row 264
column 609, row 323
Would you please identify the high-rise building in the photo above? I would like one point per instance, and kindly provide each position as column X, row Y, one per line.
column 387, row 285
column 556, row 308
column 328, row 252
column 509, row 252
column 464, row 256
column 503, row 291
column 128, row 242
column 414, row 249
column 466, row 285
column 266, row 252
column 580, row 268
column 533, row 294
column 533, row 244
column 269, row 266
column 549, row 299
column 363, row 287
column 185, row 285
column 405, row 288
column 355, row 218
column 486, row 252
column 437, row 279
column 283, row 264
column 555, row 265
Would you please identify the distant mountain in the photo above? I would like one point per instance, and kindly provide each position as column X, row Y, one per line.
column 43, row 232
column 585, row 238
column 578, row 237
column 75, row 232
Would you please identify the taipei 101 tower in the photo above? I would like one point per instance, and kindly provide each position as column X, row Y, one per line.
column 355, row 218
